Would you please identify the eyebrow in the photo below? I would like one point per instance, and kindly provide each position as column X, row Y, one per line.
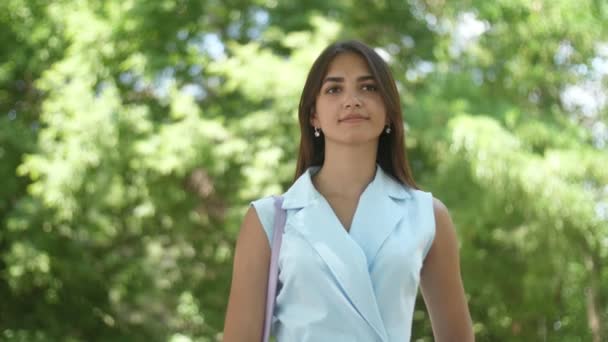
column 341, row 79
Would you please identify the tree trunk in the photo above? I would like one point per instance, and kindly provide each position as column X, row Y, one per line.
column 593, row 299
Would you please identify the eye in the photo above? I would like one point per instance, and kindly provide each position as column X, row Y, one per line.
column 369, row 87
column 332, row 90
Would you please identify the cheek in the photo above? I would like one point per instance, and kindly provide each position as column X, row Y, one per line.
column 325, row 110
column 377, row 102
column 326, row 102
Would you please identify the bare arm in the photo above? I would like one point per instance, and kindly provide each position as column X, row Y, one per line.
column 247, row 301
column 441, row 283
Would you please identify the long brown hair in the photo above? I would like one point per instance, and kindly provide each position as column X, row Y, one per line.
column 391, row 155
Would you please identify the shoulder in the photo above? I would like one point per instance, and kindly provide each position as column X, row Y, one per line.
column 263, row 205
column 419, row 196
column 421, row 213
column 426, row 199
column 440, row 210
column 434, row 219
column 423, row 202
column 264, row 208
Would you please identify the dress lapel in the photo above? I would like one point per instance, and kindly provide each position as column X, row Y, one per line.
column 344, row 258
column 379, row 211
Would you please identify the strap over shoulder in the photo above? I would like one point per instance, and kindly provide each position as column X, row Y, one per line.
column 277, row 237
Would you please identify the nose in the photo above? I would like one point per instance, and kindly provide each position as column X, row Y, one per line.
column 352, row 101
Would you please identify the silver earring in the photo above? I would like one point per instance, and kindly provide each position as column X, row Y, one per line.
column 388, row 129
column 317, row 133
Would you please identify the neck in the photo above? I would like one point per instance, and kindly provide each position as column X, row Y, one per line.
column 346, row 170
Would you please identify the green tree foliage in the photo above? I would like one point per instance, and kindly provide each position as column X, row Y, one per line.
column 134, row 133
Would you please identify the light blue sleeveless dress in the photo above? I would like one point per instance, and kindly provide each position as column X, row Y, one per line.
column 356, row 285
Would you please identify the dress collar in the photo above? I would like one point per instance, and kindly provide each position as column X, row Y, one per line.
column 302, row 192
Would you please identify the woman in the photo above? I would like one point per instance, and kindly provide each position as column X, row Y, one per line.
column 359, row 237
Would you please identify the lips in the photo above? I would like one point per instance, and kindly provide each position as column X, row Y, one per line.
column 353, row 118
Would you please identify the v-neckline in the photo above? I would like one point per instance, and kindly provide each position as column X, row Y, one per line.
column 354, row 219
column 337, row 217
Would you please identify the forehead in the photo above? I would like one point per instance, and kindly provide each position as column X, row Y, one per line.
column 347, row 63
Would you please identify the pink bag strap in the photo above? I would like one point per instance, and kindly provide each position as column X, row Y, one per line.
column 277, row 236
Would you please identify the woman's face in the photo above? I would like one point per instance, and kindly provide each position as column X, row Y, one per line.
column 349, row 108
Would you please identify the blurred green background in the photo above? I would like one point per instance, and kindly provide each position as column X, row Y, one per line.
column 134, row 133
